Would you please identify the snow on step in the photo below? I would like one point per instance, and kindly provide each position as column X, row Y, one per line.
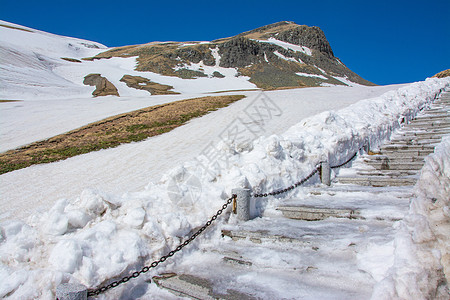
column 195, row 287
column 384, row 204
column 407, row 147
column 317, row 213
column 272, row 270
column 377, row 181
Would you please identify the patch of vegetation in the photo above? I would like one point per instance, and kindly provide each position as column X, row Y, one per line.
column 443, row 74
column 136, row 127
column 270, row 77
column 114, row 131
column 71, row 59
column 17, row 28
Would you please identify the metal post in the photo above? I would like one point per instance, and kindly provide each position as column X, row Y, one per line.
column 243, row 203
column 325, row 173
column 71, row 291
column 366, row 147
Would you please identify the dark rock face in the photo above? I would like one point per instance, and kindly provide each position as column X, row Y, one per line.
column 240, row 52
column 311, row 37
column 196, row 54
column 103, row 87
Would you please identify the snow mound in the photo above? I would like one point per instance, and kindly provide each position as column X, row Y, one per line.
column 422, row 243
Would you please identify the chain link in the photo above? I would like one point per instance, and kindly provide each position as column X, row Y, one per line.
column 154, row 264
column 297, row 184
column 346, row 162
column 351, row 158
column 317, row 169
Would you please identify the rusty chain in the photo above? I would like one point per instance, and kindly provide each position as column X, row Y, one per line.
column 154, row 264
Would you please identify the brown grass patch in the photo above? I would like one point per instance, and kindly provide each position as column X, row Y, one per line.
column 17, row 28
column 443, row 74
column 111, row 132
column 71, row 59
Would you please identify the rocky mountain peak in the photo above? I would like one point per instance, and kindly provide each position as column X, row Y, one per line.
column 289, row 32
column 278, row 55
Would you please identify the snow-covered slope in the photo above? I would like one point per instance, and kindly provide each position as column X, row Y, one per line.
column 135, row 165
column 34, row 65
column 28, row 58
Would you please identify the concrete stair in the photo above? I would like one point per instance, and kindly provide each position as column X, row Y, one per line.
column 310, row 244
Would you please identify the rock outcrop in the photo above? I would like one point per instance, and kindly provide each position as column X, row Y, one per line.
column 103, row 87
column 141, row 83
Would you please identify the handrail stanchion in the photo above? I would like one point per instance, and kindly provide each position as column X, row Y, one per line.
column 325, row 173
column 71, row 291
column 243, row 203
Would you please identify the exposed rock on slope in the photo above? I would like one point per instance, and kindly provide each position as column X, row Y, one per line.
column 279, row 55
column 141, row 83
column 102, row 85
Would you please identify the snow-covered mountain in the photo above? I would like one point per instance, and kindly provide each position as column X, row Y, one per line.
column 39, row 65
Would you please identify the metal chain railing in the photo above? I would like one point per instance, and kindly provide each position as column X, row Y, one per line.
column 297, row 184
column 347, row 161
column 301, row 182
column 154, row 264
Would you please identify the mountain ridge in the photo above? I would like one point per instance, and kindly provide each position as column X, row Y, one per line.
column 278, row 55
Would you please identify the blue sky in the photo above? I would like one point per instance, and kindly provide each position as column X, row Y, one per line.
column 383, row 41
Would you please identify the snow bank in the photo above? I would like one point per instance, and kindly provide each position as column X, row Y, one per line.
column 422, row 243
column 99, row 236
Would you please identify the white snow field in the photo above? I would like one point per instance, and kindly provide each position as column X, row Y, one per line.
column 97, row 236
column 106, row 214
column 131, row 167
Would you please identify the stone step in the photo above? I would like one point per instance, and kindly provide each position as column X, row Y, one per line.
column 434, row 118
column 397, row 153
column 426, row 128
column 261, row 236
column 195, row 287
column 398, row 191
column 308, row 213
column 441, row 110
column 420, row 130
column 415, row 141
column 442, row 117
column 388, row 172
column 377, row 181
column 427, row 125
column 395, row 147
column 390, row 165
column 396, row 159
